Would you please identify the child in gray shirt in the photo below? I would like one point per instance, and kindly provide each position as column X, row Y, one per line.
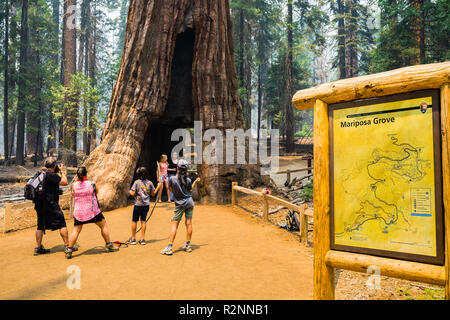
column 141, row 190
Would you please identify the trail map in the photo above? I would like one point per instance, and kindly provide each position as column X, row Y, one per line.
column 383, row 174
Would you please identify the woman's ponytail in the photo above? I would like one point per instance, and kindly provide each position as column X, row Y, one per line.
column 81, row 173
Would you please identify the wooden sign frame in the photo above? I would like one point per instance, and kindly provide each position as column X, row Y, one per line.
column 398, row 81
column 439, row 222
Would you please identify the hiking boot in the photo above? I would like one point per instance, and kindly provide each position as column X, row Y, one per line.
column 41, row 250
column 142, row 241
column 68, row 252
column 131, row 241
column 187, row 248
column 111, row 248
column 167, row 251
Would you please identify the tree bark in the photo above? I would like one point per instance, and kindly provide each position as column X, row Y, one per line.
column 247, row 106
column 22, row 85
column 87, row 38
column 288, row 109
column 143, row 89
column 351, row 53
column 6, row 83
column 12, row 76
column 32, row 114
column 92, row 124
column 416, row 31
column 70, row 113
column 61, row 75
column 51, row 137
column 341, row 39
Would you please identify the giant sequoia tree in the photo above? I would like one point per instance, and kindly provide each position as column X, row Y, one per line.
column 177, row 67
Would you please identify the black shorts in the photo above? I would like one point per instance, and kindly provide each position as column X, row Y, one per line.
column 95, row 219
column 140, row 212
column 49, row 215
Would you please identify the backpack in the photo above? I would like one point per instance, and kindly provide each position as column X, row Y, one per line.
column 34, row 189
column 292, row 223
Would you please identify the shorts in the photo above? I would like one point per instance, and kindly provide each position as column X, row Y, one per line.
column 49, row 216
column 164, row 178
column 178, row 214
column 95, row 219
column 140, row 212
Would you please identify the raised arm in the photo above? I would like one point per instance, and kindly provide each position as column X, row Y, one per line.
column 62, row 174
column 195, row 182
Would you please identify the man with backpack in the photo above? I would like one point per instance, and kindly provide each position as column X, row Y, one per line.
column 46, row 198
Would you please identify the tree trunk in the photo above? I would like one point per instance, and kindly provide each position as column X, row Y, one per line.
column 6, row 83
column 70, row 112
column 247, row 106
column 341, row 39
column 92, row 124
column 22, row 85
column 123, row 24
column 288, row 109
column 61, row 75
column 167, row 44
column 351, row 53
column 38, row 142
column 32, row 114
column 87, row 39
column 416, row 31
column 12, row 77
column 51, row 142
column 423, row 15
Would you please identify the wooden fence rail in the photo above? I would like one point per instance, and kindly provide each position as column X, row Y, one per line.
column 302, row 209
column 289, row 172
column 11, row 209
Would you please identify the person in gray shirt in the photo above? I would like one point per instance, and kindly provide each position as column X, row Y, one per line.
column 141, row 190
column 181, row 188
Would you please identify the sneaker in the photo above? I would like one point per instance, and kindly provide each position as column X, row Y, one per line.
column 142, row 241
column 68, row 252
column 167, row 251
column 131, row 241
column 187, row 248
column 41, row 250
column 74, row 248
column 111, row 248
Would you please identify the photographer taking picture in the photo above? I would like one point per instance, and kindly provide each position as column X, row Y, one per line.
column 49, row 213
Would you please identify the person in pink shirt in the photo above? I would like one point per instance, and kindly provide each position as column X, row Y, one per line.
column 86, row 210
column 162, row 175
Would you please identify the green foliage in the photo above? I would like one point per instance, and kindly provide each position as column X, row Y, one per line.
column 307, row 192
column 401, row 24
column 305, row 132
column 81, row 92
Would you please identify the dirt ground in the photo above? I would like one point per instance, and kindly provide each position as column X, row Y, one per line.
column 235, row 256
column 351, row 285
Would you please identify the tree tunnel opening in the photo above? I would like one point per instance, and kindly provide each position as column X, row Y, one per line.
column 179, row 111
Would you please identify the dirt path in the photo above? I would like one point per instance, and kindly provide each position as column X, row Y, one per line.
column 235, row 256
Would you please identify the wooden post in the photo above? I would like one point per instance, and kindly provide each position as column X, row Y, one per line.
column 288, row 176
column 266, row 208
column 303, row 228
column 7, row 216
column 233, row 193
column 445, row 132
column 323, row 274
column 309, row 164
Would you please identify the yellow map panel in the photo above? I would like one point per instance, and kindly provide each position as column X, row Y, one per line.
column 384, row 187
